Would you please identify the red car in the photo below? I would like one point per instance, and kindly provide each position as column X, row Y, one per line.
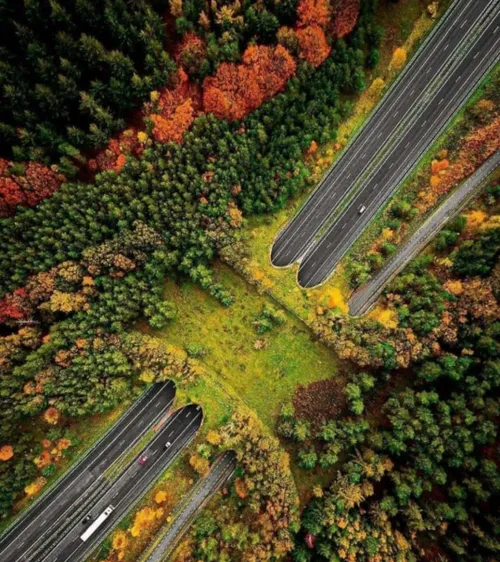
column 143, row 459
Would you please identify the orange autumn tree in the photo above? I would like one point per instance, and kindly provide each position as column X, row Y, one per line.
column 237, row 89
column 172, row 128
column 175, row 110
column 52, row 416
column 6, row 452
column 312, row 12
column 313, row 46
column 313, row 17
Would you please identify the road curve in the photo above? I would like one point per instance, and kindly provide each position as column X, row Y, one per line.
column 381, row 129
column 65, row 545
column 362, row 300
column 481, row 55
column 45, row 514
column 220, row 473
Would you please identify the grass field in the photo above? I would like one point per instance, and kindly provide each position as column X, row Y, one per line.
column 262, row 378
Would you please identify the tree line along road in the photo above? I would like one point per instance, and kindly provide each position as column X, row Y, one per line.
column 362, row 300
column 400, row 106
column 48, row 512
column 480, row 56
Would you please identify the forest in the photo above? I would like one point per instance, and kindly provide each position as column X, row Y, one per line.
column 137, row 139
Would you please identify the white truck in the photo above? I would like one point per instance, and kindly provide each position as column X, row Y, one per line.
column 97, row 523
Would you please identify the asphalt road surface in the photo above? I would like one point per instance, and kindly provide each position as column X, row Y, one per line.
column 220, row 473
column 400, row 105
column 47, row 513
column 66, row 545
column 363, row 299
column 481, row 55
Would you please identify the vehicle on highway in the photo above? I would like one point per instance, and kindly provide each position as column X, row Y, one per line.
column 143, row 459
column 168, row 445
column 362, row 209
column 97, row 523
column 87, row 518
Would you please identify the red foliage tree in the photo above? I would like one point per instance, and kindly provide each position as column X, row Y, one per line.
column 237, row 89
column 191, row 52
column 41, row 182
column 11, row 195
column 13, row 306
column 312, row 45
column 345, row 16
column 37, row 183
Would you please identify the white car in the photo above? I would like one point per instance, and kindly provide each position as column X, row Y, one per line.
column 362, row 209
column 168, row 445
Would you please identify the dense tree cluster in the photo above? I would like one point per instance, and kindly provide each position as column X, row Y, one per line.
column 219, row 32
column 71, row 71
column 420, row 477
column 184, row 192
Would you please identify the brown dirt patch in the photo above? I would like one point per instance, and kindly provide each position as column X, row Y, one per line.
column 319, row 401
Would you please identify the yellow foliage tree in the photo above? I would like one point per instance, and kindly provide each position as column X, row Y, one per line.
column 199, row 464
column 34, row 488
column 398, row 58
column 386, row 316
column 213, row 437
column 161, row 496
column 66, row 302
column 147, row 376
column 235, row 216
column 376, row 87
column 176, row 8
column 387, row 234
column 334, row 299
column 454, row 287
column 120, row 540
column 475, row 219
column 143, row 519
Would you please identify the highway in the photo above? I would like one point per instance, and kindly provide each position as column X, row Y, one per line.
column 219, row 474
column 48, row 513
column 400, row 106
column 66, row 544
column 444, row 102
column 362, row 300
